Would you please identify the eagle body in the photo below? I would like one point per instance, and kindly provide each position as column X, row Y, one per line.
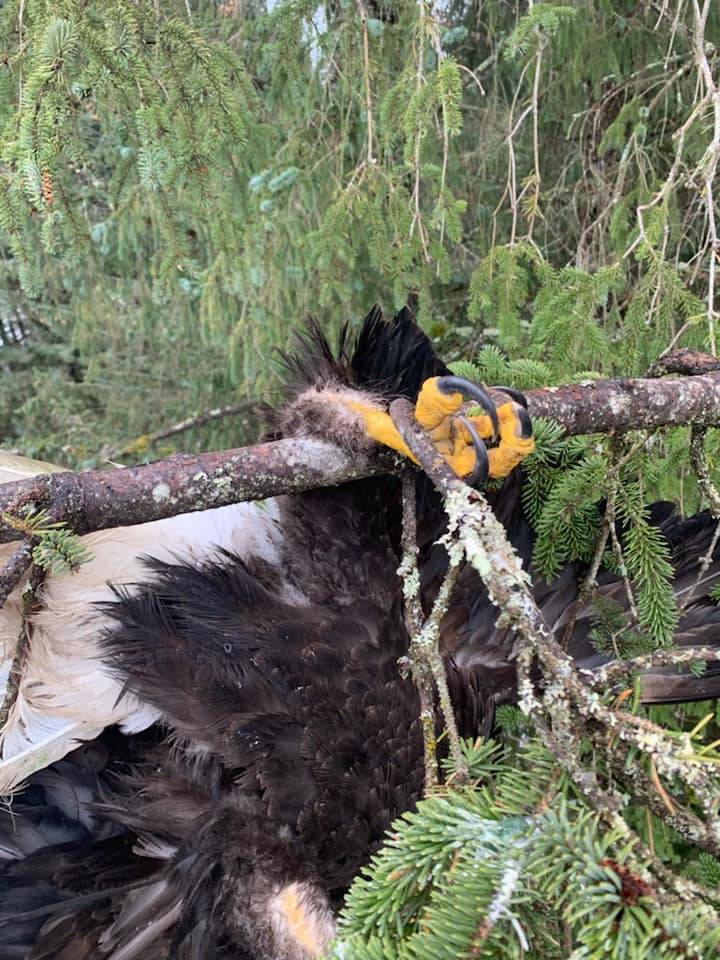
column 213, row 713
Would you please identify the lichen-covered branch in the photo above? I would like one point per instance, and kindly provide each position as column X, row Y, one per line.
column 424, row 659
column 622, row 671
column 566, row 705
column 421, row 674
column 620, row 405
column 98, row 499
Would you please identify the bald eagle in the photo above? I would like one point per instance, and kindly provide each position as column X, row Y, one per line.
column 216, row 701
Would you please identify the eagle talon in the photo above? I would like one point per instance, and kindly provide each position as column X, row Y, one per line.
column 475, row 447
column 526, row 430
column 514, row 394
column 481, row 470
column 450, row 384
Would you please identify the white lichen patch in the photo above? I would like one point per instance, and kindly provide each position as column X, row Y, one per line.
column 619, row 404
column 161, row 492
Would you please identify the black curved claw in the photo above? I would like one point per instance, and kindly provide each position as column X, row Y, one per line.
column 482, row 463
column 452, row 384
column 514, row 394
column 526, row 430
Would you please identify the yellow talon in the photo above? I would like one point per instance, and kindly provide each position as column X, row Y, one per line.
column 512, row 448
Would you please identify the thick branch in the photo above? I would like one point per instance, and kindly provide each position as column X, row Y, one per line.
column 181, row 484
column 99, row 499
column 619, row 405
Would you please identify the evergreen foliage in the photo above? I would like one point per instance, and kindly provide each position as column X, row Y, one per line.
column 57, row 548
column 517, row 867
column 180, row 177
column 180, row 182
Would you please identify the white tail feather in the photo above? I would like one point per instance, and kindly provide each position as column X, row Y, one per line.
column 65, row 693
column 42, row 752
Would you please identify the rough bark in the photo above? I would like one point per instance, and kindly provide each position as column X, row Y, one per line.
column 12, row 572
column 619, row 405
column 686, row 361
column 99, row 499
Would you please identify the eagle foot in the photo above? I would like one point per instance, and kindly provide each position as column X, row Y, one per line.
column 461, row 436
column 475, row 446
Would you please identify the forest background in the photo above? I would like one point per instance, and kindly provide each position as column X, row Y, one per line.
column 181, row 182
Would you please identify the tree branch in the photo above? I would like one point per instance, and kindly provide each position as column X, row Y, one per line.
column 566, row 705
column 98, row 499
column 620, row 405
column 142, row 443
column 13, row 570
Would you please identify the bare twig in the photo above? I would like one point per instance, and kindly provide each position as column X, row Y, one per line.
column 709, row 162
column 590, row 581
column 23, row 646
column 417, row 220
column 362, row 10
column 621, row 671
column 142, row 443
column 620, row 558
column 14, row 569
column 702, row 471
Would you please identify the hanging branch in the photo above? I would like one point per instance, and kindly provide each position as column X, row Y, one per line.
column 567, row 708
column 419, row 669
column 424, row 659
